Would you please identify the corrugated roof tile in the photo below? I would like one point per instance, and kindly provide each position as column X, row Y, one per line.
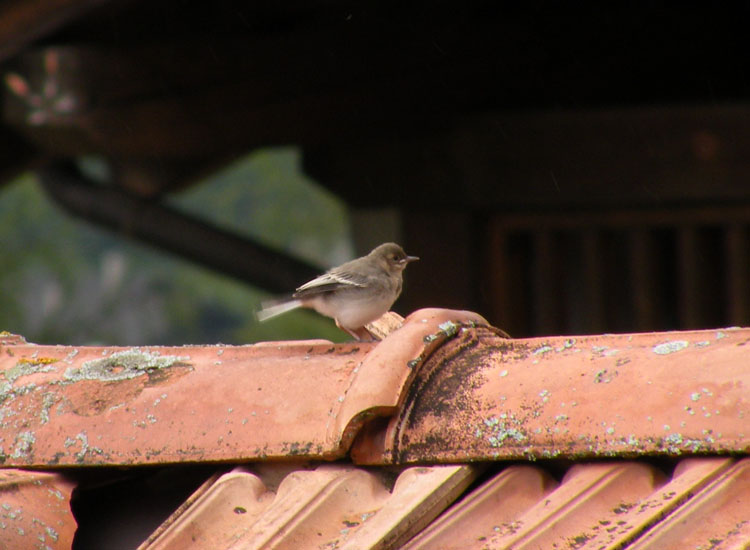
column 498, row 502
column 214, row 514
column 601, row 506
column 333, row 506
column 585, row 495
column 35, row 510
column 718, row 517
column 620, row 526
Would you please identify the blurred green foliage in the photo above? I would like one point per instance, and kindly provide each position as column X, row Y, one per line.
column 66, row 281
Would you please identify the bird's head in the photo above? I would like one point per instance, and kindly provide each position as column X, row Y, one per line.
column 392, row 257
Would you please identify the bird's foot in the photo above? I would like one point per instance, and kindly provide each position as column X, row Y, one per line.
column 360, row 334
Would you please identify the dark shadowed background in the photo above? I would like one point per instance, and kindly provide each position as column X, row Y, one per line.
column 164, row 166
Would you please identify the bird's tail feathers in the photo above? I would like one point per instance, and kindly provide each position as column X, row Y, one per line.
column 273, row 308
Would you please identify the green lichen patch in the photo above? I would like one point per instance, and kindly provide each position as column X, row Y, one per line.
column 670, row 347
column 605, row 376
column 24, row 445
column 543, row 350
column 25, row 367
column 496, row 430
column 449, row 328
column 446, row 330
column 123, row 365
column 81, row 439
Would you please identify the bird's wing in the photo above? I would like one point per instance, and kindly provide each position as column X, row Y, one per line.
column 332, row 280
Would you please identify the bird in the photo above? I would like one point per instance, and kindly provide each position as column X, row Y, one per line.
column 353, row 294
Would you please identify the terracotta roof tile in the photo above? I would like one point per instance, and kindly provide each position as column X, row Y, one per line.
column 483, row 397
column 716, row 517
column 586, row 494
column 90, row 405
column 498, row 502
column 444, row 387
column 595, row 506
column 333, row 506
column 35, row 510
column 623, row 524
column 105, row 405
column 602, row 507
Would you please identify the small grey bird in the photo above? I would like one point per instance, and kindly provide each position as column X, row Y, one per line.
column 354, row 293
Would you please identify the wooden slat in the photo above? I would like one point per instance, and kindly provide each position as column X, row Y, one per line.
column 593, row 278
column 737, row 278
column 446, row 272
column 688, row 282
column 641, row 259
column 546, row 298
column 497, row 275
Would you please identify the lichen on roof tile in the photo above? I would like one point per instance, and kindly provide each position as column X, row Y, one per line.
column 307, row 399
column 484, row 397
column 35, row 510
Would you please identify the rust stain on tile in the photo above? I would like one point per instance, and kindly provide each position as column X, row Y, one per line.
column 333, row 506
column 35, row 510
column 484, row 397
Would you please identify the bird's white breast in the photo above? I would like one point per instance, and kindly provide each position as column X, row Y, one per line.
column 352, row 312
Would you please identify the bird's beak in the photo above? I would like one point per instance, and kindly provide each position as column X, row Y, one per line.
column 411, row 259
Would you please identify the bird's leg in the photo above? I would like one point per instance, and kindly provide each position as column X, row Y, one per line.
column 360, row 335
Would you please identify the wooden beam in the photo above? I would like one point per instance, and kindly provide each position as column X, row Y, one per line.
column 24, row 21
column 211, row 99
column 737, row 265
column 158, row 225
column 612, row 157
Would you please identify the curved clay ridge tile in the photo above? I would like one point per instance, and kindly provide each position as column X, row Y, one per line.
column 378, row 385
column 483, row 397
column 103, row 405
column 147, row 405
